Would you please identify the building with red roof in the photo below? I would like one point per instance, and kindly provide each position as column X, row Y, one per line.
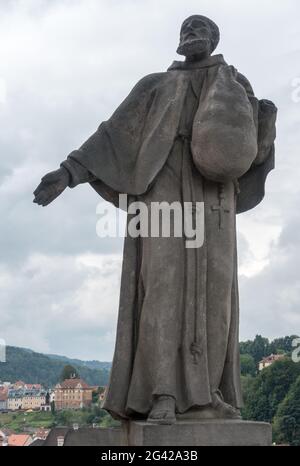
column 19, row 440
column 73, row 394
column 269, row 360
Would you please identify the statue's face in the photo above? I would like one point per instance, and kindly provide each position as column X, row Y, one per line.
column 195, row 38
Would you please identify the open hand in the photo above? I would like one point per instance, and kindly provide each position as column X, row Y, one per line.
column 51, row 186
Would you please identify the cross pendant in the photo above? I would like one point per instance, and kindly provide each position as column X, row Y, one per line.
column 220, row 208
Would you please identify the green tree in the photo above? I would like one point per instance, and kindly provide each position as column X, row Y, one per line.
column 69, row 372
column 64, row 417
column 269, row 389
column 108, row 421
column 247, row 382
column 287, row 419
column 258, row 348
column 52, row 405
column 248, row 366
column 282, row 345
column 95, row 394
column 95, row 415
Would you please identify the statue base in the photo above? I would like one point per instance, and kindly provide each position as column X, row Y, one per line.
column 212, row 432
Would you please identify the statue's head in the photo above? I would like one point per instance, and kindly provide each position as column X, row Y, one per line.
column 199, row 36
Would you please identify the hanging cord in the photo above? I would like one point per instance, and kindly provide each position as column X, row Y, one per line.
column 195, row 346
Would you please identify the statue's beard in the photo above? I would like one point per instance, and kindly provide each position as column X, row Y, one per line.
column 194, row 47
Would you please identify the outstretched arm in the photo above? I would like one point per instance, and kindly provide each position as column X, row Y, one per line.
column 70, row 173
column 51, row 186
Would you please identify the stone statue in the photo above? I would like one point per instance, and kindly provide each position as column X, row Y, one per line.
column 195, row 133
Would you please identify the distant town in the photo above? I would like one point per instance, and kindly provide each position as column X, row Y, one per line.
column 22, row 398
column 70, row 394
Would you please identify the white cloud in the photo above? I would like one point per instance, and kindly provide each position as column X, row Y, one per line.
column 56, row 298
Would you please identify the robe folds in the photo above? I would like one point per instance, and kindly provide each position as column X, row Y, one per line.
column 177, row 331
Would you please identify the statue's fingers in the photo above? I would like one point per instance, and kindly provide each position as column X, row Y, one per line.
column 41, row 197
column 49, row 199
column 52, row 194
column 38, row 189
column 44, row 204
column 37, row 201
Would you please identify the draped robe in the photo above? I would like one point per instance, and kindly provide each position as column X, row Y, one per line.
column 177, row 331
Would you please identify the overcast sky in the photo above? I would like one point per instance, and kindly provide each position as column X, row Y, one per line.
column 65, row 66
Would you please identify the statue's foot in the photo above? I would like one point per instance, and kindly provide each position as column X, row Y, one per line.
column 163, row 411
column 201, row 413
column 217, row 409
column 224, row 410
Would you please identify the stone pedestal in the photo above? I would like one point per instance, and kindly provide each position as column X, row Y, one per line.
column 216, row 432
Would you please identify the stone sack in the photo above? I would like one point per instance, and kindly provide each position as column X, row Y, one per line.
column 224, row 139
